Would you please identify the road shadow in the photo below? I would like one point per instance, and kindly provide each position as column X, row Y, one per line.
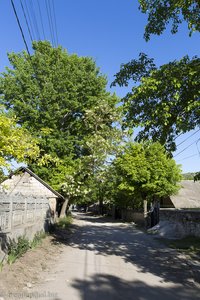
column 109, row 287
column 133, row 246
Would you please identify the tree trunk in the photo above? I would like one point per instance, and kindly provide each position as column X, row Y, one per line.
column 157, row 212
column 145, row 213
column 64, row 208
column 101, row 206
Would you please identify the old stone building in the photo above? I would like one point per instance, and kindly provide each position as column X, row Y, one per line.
column 28, row 205
column 26, row 183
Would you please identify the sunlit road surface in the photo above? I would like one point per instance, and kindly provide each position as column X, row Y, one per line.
column 103, row 260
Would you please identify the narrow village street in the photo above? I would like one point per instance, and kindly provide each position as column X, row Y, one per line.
column 103, row 260
column 100, row 150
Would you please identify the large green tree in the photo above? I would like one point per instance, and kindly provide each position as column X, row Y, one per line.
column 162, row 12
column 164, row 101
column 55, row 95
column 143, row 172
column 84, row 179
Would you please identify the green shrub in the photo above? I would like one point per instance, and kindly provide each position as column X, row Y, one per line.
column 37, row 239
column 64, row 222
column 17, row 249
column 1, row 266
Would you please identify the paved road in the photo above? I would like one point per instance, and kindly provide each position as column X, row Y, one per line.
column 115, row 261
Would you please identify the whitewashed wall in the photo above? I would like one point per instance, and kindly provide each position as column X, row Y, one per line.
column 22, row 211
column 26, row 185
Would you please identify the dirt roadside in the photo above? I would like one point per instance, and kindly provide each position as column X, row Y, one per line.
column 28, row 270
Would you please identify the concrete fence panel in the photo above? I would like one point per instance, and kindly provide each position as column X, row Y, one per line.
column 22, row 216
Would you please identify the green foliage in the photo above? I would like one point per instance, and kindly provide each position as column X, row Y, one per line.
column 17, row 249
column 2, row 176
column 164, row 101
column 197, row 176
column 62, row 100
column 134, row 70
column 37, row 240
column 188, row 176
column 162, row 12
column 64, row 222
column 144, row 171
column 15, row 142
column 1, row 266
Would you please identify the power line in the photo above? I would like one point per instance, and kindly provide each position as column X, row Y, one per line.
column 24, row 41
column 54, row 14
column 198, row 147
column 50, row 22
column 40, row 14
column 178, row 135
column 188, row 137
column 26, row 21
column 20, row 27
column 186, row 148
column 29, row 18
column 35, row 20
column 187, row 157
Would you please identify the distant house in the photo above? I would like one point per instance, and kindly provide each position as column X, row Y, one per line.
column 26, row 183
column 187, row 197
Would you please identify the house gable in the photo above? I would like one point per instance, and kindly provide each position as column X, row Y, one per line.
column 26, row 183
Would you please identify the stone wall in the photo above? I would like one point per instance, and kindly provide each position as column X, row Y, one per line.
column 188, row 221
column 130, row 215
column 22, row 216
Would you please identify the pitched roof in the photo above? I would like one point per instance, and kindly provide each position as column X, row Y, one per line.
column 188, row 196
column 25, row 169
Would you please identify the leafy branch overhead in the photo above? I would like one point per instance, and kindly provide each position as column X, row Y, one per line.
column 164, row 101
column 162, row 12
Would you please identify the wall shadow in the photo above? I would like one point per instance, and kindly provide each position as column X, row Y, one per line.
column 4, row 244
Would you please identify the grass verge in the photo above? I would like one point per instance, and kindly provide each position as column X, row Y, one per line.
column 189, row 245
column 64, row 222
column 17, row 248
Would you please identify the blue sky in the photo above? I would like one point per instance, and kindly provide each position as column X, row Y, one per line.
column 111, row 32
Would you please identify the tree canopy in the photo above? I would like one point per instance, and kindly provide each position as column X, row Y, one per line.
column 164, row 101
column 62, row 100
column 145, row 171
column 162, row 12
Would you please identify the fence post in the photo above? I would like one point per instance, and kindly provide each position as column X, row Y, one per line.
column 145, row 213
column 35, row 209
column 11, row 214
column 25, row 210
